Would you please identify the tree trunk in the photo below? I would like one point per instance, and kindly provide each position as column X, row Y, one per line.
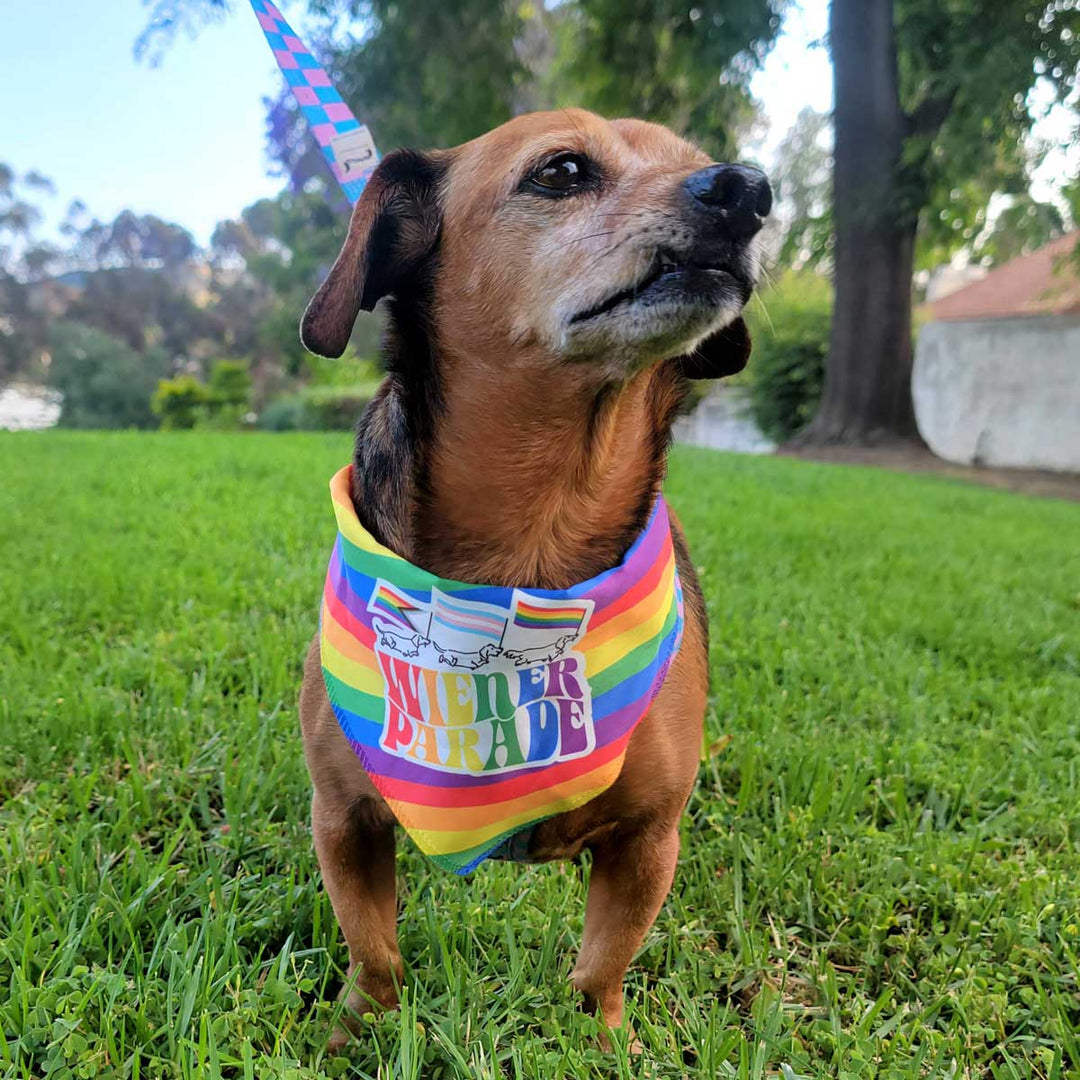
column 867, row 396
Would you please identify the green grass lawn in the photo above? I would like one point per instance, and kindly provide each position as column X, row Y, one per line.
column 880, row 874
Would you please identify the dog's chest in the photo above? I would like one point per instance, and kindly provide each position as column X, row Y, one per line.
column 480, row 711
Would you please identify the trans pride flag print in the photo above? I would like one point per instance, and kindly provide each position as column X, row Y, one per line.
column 479, row 711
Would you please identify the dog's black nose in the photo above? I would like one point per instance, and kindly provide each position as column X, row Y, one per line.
column 739, row 194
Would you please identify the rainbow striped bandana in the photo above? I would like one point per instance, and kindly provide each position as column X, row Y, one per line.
column 479, row 711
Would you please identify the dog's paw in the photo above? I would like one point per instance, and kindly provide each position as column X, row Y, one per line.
column 634, row 1046
column 340, row 1037
column 363, row 1001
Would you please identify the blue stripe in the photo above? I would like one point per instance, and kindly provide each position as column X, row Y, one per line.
column 524, row 621
column 635, row 687
column 359, row 728
column 485, row 634
column 464, row 609
column 355, row 188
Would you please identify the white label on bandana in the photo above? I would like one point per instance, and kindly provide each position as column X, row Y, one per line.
column 475, row 688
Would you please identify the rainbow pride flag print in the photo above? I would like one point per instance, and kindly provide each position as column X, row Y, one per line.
column 479, row 711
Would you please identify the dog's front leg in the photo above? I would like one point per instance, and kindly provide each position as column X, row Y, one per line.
column 355, row 846
column 631, row 876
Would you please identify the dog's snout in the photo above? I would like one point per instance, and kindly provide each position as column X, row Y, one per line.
column 741, row 196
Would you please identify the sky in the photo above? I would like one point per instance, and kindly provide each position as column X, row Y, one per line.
column 185, row 140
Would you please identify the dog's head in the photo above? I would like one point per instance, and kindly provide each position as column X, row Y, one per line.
column 559, row 238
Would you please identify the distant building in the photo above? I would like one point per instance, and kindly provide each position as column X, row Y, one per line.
column 997, row 366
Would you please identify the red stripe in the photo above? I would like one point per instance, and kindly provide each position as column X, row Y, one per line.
column 504, row 790
column 345, row 618
column 645, row 585
column 551, row 612
column 397, row 603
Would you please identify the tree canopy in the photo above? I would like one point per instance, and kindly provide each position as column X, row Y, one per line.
column 680, row 64
column 969, row 75
column 429, row 74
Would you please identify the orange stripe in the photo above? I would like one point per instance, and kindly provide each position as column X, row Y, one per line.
column 640, row 613
column 493, row 819
column 347, row 644
column 510, row 788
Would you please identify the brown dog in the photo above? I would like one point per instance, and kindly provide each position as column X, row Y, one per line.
column 551, row 287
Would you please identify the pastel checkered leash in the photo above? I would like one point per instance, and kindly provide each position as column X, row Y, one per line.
column 346, row 144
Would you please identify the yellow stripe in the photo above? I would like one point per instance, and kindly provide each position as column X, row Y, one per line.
column 348, row 523
column 632, row 633
column 360, row 676
column 346, row 643
column 464, row 819
column 432, row 842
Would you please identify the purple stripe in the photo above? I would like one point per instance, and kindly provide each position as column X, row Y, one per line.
column 608, row 728
column 613, row 584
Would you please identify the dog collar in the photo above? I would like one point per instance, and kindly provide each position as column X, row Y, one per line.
column 478, row 711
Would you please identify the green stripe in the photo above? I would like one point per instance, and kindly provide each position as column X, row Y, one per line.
column 356, row 701
column 635, row 660
column 457, row 859
column 397, row 570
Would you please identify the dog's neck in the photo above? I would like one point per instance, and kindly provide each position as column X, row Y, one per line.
column 523, row 478
column 538, row 480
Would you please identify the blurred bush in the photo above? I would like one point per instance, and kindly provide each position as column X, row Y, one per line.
column 335, row 408
column 790, row 324
column 283, row 414
column 219, row 417
column 180, row 402
column 350, row 369
column 222, row 404
column 339, row 393
column 104, row 382
column 230, row 383
column 318, row 408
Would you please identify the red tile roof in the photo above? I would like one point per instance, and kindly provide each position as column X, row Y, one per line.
column 1042, row 283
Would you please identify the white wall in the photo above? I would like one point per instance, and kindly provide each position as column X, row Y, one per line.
column 28, row 408
column 722, row 421
column 1001, row 391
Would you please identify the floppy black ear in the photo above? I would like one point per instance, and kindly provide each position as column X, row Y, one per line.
column 720, row 354
column 393, row 229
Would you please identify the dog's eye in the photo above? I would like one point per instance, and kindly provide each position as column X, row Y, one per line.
column 560, row 175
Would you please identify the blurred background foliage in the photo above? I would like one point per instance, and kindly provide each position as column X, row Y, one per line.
column 790, row 326
column 108, row 309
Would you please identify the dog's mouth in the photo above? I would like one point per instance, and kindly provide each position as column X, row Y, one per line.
column 670, row 276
